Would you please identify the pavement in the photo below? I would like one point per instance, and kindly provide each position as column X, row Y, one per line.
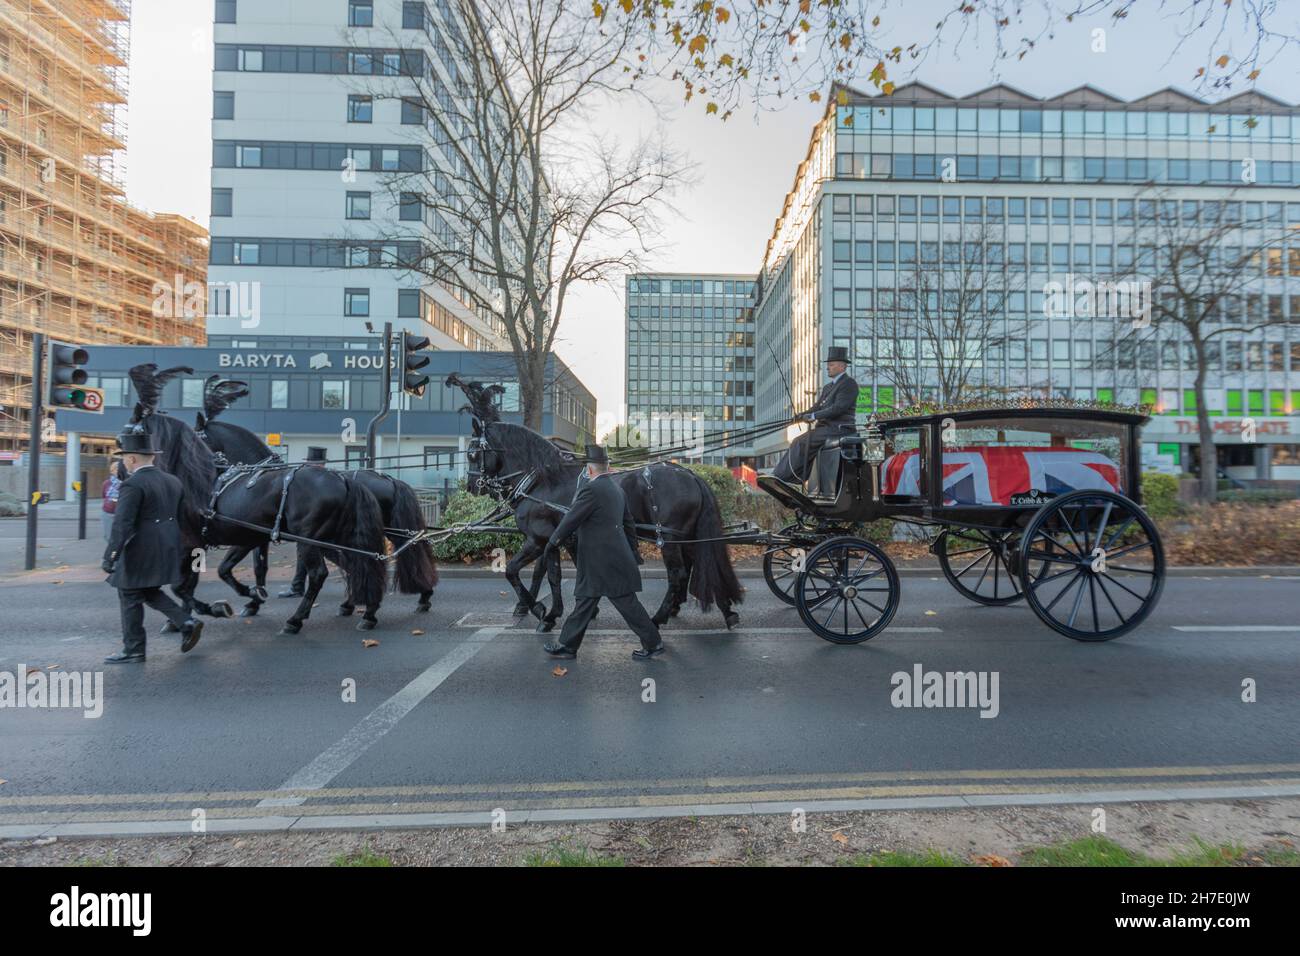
column 456, row 716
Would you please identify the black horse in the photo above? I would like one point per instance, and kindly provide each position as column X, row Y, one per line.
column 414, row 569
column 248, row 507
column 535, row 476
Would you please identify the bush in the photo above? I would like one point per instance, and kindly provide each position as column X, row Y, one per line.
column 1235, row 534
column 11, row 506
column 467, row 546
column 727, row 488
column 1160, row 495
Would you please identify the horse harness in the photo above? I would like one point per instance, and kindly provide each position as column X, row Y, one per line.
column 232, row 473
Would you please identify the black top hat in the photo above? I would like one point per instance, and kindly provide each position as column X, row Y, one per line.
column 137, row 442
column 597, row 455
column 837, row 353
column 316, row 453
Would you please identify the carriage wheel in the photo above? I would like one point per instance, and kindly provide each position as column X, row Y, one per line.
column 779, row 571
column 980, row 565
column 848, row 592
column 1092, row 566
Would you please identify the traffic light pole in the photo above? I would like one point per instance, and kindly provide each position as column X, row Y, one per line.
column 385, row 396
column 34, row 446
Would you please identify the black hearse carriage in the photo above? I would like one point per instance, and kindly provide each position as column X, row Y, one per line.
column 1030, row 499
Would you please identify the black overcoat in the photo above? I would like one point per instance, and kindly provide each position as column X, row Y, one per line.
column 145, row 545
column 606, row 540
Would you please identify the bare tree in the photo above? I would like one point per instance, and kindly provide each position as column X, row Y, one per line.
column 528, row 199
column 1204, row 265
column 950, row 316
column 726, row 52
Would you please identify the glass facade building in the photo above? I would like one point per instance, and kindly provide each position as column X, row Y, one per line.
column 690, row 359
column 1060, row 190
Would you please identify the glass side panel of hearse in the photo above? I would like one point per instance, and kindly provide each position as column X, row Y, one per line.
column 905, row 473
column 1027, row 461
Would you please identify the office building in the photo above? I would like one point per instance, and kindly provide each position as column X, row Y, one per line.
column 690, row 360
column 1059, row 189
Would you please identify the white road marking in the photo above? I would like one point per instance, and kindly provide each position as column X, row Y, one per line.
column 379, row 721
column 1243, row 628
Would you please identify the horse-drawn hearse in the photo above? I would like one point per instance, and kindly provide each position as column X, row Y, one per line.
column 1037, row 500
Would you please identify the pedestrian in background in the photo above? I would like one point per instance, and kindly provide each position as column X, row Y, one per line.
column 109, row 493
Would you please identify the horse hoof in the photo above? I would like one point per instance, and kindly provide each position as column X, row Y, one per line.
column 222, row 609
column 732, row 619
column 250, row 610
column 260, row 593
column 539, row 611
column 169, row 628
column 345, row 611
column 421, row 608
column 520, row 610
column 290, row 628
column 365, row 624
column 544, row 627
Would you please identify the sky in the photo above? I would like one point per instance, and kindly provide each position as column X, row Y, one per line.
column 743, row 167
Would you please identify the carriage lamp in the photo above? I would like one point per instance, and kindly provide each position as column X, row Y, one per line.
column 873, row 444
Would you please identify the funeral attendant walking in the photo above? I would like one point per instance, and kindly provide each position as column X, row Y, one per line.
column 607, row 560
column 144, row 549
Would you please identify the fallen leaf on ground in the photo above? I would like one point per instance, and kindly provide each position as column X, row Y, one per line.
column 52, row 667
column 839, row 838
column 369, row 642
column 560, row 671
column 931, row 613
column 417, row 632
column 992, row 859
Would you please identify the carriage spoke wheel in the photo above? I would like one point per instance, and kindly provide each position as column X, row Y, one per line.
column 779, row 569
column 848, row 592
column 1092, row 566
column 978, row 564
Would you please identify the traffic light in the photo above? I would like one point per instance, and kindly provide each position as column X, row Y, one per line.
column 67, row 382
column 413, row 382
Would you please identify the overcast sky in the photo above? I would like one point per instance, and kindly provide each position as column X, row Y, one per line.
column 744, row 165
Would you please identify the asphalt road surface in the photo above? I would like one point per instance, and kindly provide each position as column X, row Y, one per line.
column 459, row 711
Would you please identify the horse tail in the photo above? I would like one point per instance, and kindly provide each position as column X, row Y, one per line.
column 713, row 579
column 361, row 526
column 416, row 572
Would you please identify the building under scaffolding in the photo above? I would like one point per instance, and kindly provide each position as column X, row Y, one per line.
column 76, row 261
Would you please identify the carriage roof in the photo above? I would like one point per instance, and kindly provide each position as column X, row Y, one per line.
column 1027, row 408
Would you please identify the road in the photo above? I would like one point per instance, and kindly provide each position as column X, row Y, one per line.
column 459, row 712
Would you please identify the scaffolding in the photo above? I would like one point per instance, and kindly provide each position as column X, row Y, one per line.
column 76, row 260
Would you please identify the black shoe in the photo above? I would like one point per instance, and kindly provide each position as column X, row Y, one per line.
column 642, row 654
column 556, row 649
column 290, row 593
column 192, row 630
column 124, row 658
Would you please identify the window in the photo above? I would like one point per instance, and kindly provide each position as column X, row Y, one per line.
column 225, row 11
column 361, row 109
column 334, row 393
column 222, row 200
column 414, row 15
column 361, row 13
column 408, row 209
column 223, row 105
column 279, row 393
column 412, row 113
column 408, row 303
column 250, row 60
column 356, row 303
column 358, row 205
column 192, row 393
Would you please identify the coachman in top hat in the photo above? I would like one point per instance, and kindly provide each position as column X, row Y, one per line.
column 832, row 415
column 144, row 550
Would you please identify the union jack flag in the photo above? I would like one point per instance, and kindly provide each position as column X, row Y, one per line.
column 1004, row 475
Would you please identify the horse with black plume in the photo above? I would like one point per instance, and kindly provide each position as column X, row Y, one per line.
column 414, row 568
column 249, row 506
column 539, row 480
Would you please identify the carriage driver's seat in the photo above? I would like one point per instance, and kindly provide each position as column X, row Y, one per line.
column 828, row 470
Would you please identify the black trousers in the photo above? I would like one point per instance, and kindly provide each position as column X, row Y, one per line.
column 575, row 625
column 795, row 467
column 133, row 602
